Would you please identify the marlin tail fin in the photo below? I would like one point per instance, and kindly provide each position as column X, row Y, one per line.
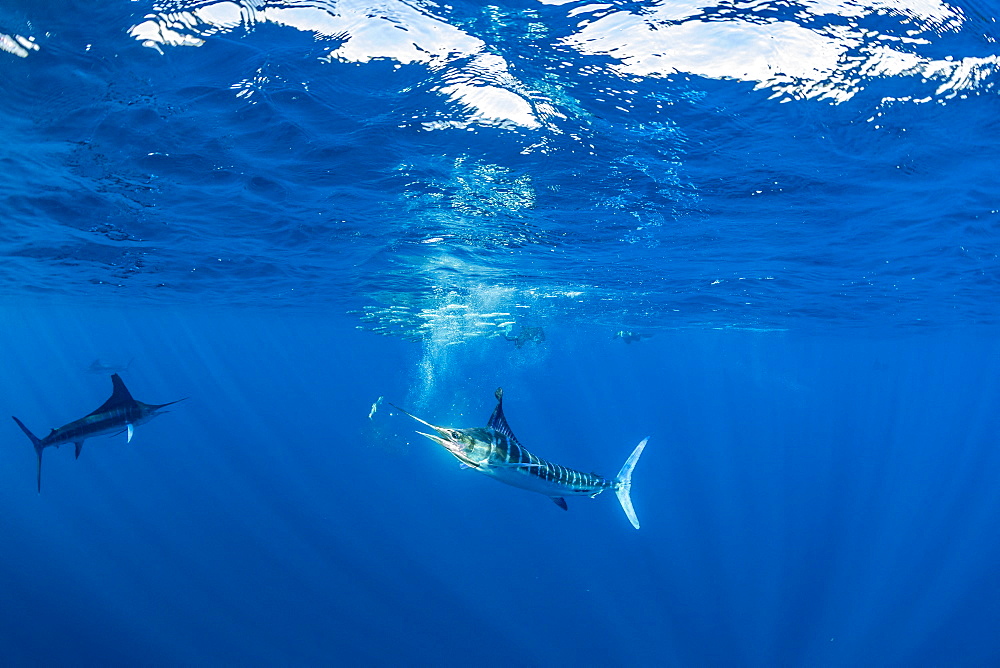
column 623, row 483
column 38, row 449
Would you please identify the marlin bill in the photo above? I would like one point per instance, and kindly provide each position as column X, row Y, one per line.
column 495, row 451
column 119, row 414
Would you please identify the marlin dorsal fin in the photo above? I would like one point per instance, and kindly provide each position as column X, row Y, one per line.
column 120, row 396
column 498, row 422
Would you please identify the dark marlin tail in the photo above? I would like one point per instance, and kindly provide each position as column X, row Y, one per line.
column 495, row 451
column 120, row 413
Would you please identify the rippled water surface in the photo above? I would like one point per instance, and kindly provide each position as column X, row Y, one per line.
column 655, row 164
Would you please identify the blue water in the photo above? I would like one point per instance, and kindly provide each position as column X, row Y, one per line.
column 286, row 211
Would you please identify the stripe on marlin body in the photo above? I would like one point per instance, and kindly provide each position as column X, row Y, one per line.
column 495, row 451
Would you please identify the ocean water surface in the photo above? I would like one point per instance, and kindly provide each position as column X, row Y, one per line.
column 766, row 235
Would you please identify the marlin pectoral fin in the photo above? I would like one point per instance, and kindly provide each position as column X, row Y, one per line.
column 131, row 430
column 79, row 447
column 559, row 501
column 463, row 466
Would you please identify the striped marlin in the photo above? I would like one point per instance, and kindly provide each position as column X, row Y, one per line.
column 495, row 451
column 120, row 413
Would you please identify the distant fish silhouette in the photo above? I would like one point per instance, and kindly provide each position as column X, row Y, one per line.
column 120, row 413
column 99, row 367
column 630, row 337
column 495, row 451
column 525, row 335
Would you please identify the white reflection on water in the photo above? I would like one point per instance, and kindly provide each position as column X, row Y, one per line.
column 828, row 53
column 820, row 49
column 17, row 45
column 361, row 32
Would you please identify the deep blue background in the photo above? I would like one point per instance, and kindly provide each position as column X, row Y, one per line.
column 286, row 221
column 805, row 500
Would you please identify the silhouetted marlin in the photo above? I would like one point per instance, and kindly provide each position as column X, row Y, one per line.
column 120, row 413
column 495, row 451
column 99, row 367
